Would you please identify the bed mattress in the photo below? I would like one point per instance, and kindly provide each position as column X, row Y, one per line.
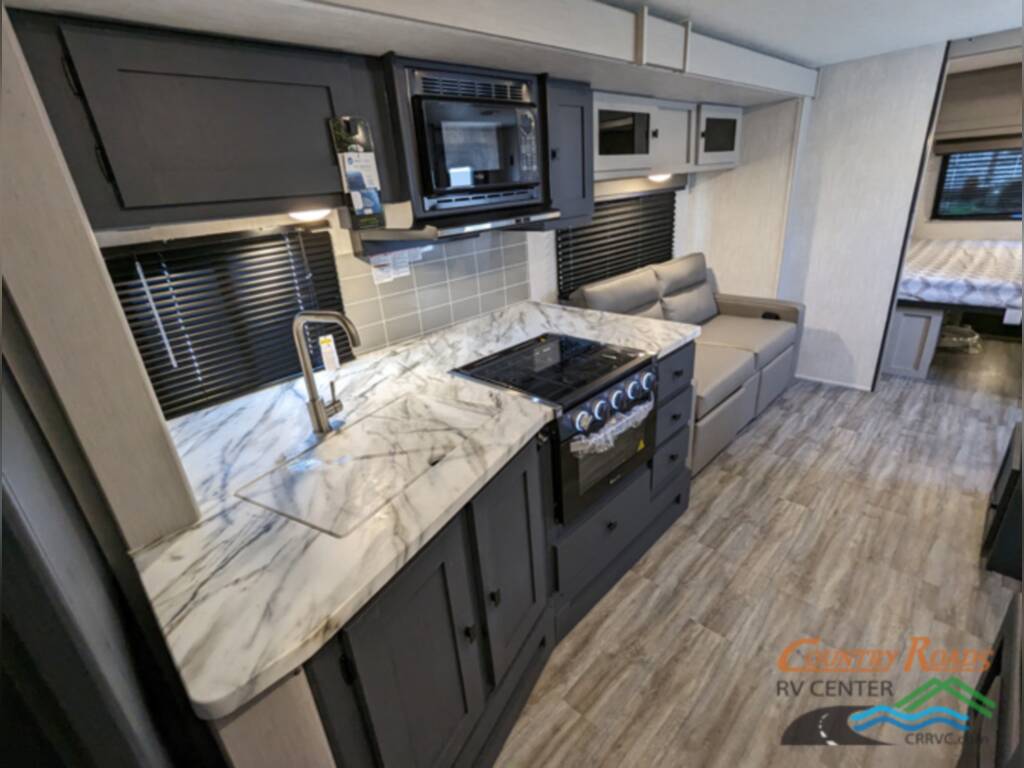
column 972, row 273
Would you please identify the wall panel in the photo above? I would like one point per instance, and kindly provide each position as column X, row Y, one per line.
column 853, row 190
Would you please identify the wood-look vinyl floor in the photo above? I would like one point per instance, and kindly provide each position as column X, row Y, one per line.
column 838, row 514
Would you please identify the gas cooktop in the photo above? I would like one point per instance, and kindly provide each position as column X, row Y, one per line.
column 562, row 370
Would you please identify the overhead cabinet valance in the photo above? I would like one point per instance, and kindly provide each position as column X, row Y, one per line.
column 982, row 103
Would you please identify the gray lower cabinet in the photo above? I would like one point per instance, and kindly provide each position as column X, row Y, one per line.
column 416, row 654
column 508, row 528
column 406, row 682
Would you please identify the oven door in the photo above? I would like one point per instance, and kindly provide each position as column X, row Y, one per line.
column 476, row 145
column 585, row 479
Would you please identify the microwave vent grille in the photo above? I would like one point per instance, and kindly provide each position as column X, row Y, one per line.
column 474, row 89
column 465, row 199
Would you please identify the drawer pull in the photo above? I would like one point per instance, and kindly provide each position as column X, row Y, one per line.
column 612, row 525
column 676, row 416
column 495, row 597
column 678, row 373
column 673, row 456
column 470, row 633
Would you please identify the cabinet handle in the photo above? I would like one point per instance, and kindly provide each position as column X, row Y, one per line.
column 678, row 373
column 673, row 456
column 654, row 133
column 676, row 416
column 470, row 633
column 612, row 525
column 554, row 153
column 495, row 597
column 678, row 499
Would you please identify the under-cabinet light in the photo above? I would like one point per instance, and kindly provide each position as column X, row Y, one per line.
column 659, row 177
column 312, row 215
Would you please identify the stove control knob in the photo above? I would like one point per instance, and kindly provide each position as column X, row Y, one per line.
column 583, row 421
column 601, row 410
column 633, row 390
column 647, row 381
column 618, row 400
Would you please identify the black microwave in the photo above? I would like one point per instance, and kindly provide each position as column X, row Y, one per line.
column 473, row 139
column 476, row 146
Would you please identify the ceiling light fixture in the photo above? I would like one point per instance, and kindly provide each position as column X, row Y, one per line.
column 311, row 215
column 659, row 177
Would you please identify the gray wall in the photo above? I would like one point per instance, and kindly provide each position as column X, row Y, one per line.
column 451, row 282
column 855, row 178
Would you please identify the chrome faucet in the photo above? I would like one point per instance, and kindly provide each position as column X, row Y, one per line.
column 319, row 412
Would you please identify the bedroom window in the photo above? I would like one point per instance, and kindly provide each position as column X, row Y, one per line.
column 212, row 316
column 623, row 235
column 980, row 185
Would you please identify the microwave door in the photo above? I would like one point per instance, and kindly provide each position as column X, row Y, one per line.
column 474, row 145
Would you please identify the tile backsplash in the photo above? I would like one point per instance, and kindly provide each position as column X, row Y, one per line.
column 448, row 282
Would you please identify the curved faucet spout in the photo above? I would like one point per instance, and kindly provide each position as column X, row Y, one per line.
column 319, row 412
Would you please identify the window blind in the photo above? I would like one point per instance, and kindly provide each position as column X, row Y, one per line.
column 980, row 185
column 623, row 235
column 212, row 316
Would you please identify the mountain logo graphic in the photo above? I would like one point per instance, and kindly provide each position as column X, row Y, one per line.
column 908, row 715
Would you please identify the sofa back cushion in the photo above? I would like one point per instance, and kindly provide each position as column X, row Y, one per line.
column 686, row 293
column 634, row 293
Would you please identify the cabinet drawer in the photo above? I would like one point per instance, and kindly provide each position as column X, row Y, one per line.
column 585, row 551
column 675, row 494
column 670, row 460
column 675, row 372
column 673, row 415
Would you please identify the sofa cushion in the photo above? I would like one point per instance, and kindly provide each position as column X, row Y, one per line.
column 634, row 293
column 717, row 373
column 686, row 294
column 767, row 339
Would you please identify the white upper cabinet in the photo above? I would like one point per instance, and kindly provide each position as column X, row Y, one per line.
column 673, row 151
column 642, row 136
column 717, row 139
column 626, row 135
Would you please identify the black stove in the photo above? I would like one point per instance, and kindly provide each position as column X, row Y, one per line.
column 561, row 370
column 605, row 400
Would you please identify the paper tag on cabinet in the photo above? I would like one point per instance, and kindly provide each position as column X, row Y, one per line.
column 358, row 163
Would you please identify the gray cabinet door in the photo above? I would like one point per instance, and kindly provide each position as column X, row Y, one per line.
column 508, row 526
column 571, row 147
column 187, row 120
column 416, row 656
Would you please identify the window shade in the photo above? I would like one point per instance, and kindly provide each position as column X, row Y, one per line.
column 980, row 185
column 623, row 235
column 212, row 316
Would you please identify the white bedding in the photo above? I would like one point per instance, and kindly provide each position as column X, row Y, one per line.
column 974, row 273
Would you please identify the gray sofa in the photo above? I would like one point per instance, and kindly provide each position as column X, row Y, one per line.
column 745, row 356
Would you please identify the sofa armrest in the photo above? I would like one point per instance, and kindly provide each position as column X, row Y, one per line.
column 771, row 309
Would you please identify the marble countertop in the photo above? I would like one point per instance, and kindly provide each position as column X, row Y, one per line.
column 276, row 564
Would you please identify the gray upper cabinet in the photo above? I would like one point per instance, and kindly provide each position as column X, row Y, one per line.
column 160, row 126
column 570, row 113
column 508, row 527
column 415, row 650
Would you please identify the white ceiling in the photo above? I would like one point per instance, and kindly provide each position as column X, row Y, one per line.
column 817, row 32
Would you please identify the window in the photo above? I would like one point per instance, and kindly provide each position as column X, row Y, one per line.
column 212, row 316
column 980, row 185
column 623, row 235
